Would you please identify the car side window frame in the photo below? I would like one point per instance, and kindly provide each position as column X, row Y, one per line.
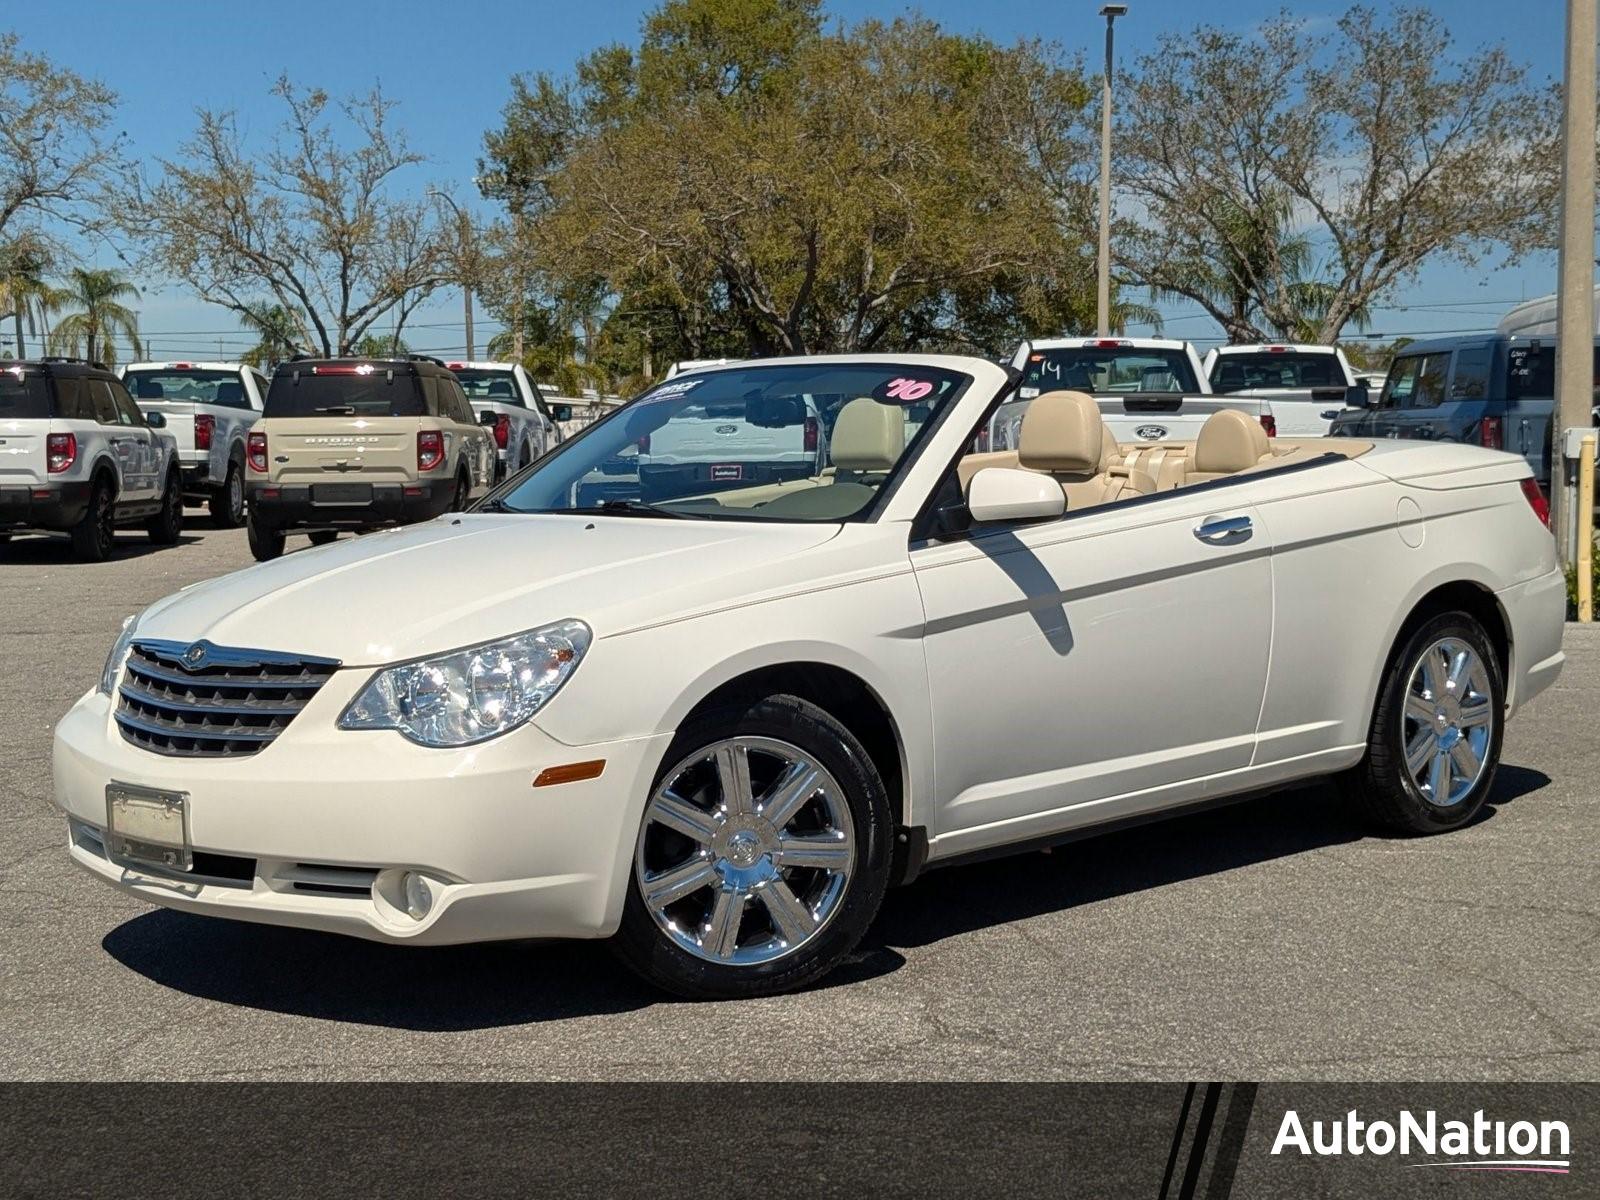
column 126, row 407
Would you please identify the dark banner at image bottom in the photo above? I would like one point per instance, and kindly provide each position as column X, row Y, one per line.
column 1161, row 1141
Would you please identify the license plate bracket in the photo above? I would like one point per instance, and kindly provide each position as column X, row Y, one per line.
column 341, row 493
column 148, row 827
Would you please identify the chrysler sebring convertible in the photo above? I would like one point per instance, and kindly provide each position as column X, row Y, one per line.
column 713, row 717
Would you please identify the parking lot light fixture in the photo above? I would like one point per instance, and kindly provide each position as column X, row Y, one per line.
column 1103, row 297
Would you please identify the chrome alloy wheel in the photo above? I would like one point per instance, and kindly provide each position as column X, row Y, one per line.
column 745, row 851
column 1448, row 721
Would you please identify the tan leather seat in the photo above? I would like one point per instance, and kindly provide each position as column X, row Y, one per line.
column 1063, row 436
column 868, row 438
column 1229, row 442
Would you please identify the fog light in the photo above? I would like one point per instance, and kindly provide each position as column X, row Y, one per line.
column 419, row 897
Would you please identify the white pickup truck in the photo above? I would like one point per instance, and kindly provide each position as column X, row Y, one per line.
column 508, row 403
column 1305, row 384
column 1147, row 389
column 209, row 408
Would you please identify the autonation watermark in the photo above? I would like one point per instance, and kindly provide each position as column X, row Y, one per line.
column 1478, row 1144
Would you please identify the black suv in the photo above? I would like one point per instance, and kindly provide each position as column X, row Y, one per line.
column 78, row 457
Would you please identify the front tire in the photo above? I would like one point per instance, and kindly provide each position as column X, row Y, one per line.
column 166, row 526
column 266, row 543
column 762, row 856
column 92, row 535
column 1436, row 731
column 227, row 502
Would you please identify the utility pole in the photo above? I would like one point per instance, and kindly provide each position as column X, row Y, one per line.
column 464, row 233
column 1103, row 298
column 1575, row 328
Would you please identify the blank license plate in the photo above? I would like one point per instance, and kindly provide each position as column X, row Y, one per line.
column 341, row 493
column 148, row 827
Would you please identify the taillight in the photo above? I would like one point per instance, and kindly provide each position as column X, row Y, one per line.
column 1490, row 434
column 61, row 451
column 811, row 435
column 204, row 426
column 644, row 444
column 1534, row 495
column 255, row 449
column 502, row 430
column 430, row 449
column 1270, row 424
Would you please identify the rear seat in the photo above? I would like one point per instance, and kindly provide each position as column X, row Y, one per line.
column 1229, row 442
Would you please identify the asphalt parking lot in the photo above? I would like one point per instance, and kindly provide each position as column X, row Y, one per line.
column 1275, row 940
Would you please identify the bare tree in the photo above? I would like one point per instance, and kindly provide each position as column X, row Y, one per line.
column 1378, row 148
column 315, row 222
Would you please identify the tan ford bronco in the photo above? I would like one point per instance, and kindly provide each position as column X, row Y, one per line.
column 357, row 444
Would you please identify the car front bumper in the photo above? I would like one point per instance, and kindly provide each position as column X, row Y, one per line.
column 297, row 506
column 56, row 505
column 318, row 829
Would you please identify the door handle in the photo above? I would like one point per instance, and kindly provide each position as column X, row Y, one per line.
column 1221, row 531
column 1329, row 414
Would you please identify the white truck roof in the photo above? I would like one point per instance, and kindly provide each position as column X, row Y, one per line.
column 1274, row 348
column 1138, row 343
column 188, row 365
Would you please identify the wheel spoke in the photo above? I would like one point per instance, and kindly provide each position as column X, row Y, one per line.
column 831, row 851
column 1476, row 716
column 661, row 890
column 721, row 935
column 1419, row 710
column 675, row 812
column 795, row 786
column 1430, row 679
column 1465, row 757
column 790, row 918
column 733, row 775
column 1439, row 776
column 1459, row 667
column 1421, row 750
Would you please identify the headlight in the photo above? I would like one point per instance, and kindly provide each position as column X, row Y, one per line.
column 119, row 653
column 473, row 694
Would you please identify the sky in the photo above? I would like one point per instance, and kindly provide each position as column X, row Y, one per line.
column 449, row 67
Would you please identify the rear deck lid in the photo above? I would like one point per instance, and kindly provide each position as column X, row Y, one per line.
column 26, row 408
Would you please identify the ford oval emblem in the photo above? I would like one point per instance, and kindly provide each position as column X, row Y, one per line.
column 726, row 430
column 1150, row 433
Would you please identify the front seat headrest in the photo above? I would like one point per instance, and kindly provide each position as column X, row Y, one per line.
column 1062, row 433
column 1230, row 441
column 868, row 436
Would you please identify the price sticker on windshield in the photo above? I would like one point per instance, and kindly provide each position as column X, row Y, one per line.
column 670, row 390
column 904, row 390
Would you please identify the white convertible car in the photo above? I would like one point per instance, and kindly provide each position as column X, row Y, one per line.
column 715, row 726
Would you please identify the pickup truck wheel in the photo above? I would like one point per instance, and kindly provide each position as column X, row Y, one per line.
column 227, row 502
column 92, row 535
column 166, row 526
column 763, row 853
column 525, row 457
column 1436, row 731
column 462, row 496
column 266, row 544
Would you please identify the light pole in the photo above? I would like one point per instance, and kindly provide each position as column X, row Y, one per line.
column 466, row 287
column 1103, row 299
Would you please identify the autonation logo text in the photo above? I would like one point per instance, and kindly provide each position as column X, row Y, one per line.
column 1476, row 1145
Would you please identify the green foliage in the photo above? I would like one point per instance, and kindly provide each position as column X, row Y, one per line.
column 1572, row 586
column 280, row 334
column 99, row 318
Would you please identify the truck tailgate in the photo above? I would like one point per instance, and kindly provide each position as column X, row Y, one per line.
column 1163, row 418
column 180, row 420
column 22, row 453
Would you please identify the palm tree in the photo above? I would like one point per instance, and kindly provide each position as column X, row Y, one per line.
column 23, row 290
column 101, row 316
column 278, row 330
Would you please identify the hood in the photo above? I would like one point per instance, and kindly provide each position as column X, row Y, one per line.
column 387, row 597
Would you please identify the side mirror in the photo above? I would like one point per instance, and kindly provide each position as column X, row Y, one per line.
column 1012, row 494
column 156, row 420
column 1356, row 396
column 561, row 412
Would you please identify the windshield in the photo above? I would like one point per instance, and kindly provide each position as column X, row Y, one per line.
column 190, row 386
column 1109, row 369
column 23, row 397
column 363, row 391
column 1275, row 369
column 809, row 442
column 499, row 386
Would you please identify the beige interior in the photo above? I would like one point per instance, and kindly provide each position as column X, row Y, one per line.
column 1060, row 427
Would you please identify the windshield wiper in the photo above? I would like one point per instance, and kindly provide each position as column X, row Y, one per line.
column 343, row 410
column 498, row 506
column 634, row 508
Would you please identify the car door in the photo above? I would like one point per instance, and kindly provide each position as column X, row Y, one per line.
column 477, row 443
column 129, row 443
column 1421, row 412
column 150, row 447
column 1095, row 666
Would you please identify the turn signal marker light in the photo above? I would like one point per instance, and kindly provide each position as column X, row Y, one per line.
column 570, row 773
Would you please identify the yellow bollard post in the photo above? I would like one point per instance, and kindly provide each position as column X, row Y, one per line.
column 1585, row 524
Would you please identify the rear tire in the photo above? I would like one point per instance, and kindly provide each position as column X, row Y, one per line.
column 92, row 535
column 227, row 502
column 764, row 892
column 463, row 494
column 266, row 544
column 166, row 527
column 1436, row 730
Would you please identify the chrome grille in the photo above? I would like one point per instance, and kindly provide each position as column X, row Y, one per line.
column 203, row 701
